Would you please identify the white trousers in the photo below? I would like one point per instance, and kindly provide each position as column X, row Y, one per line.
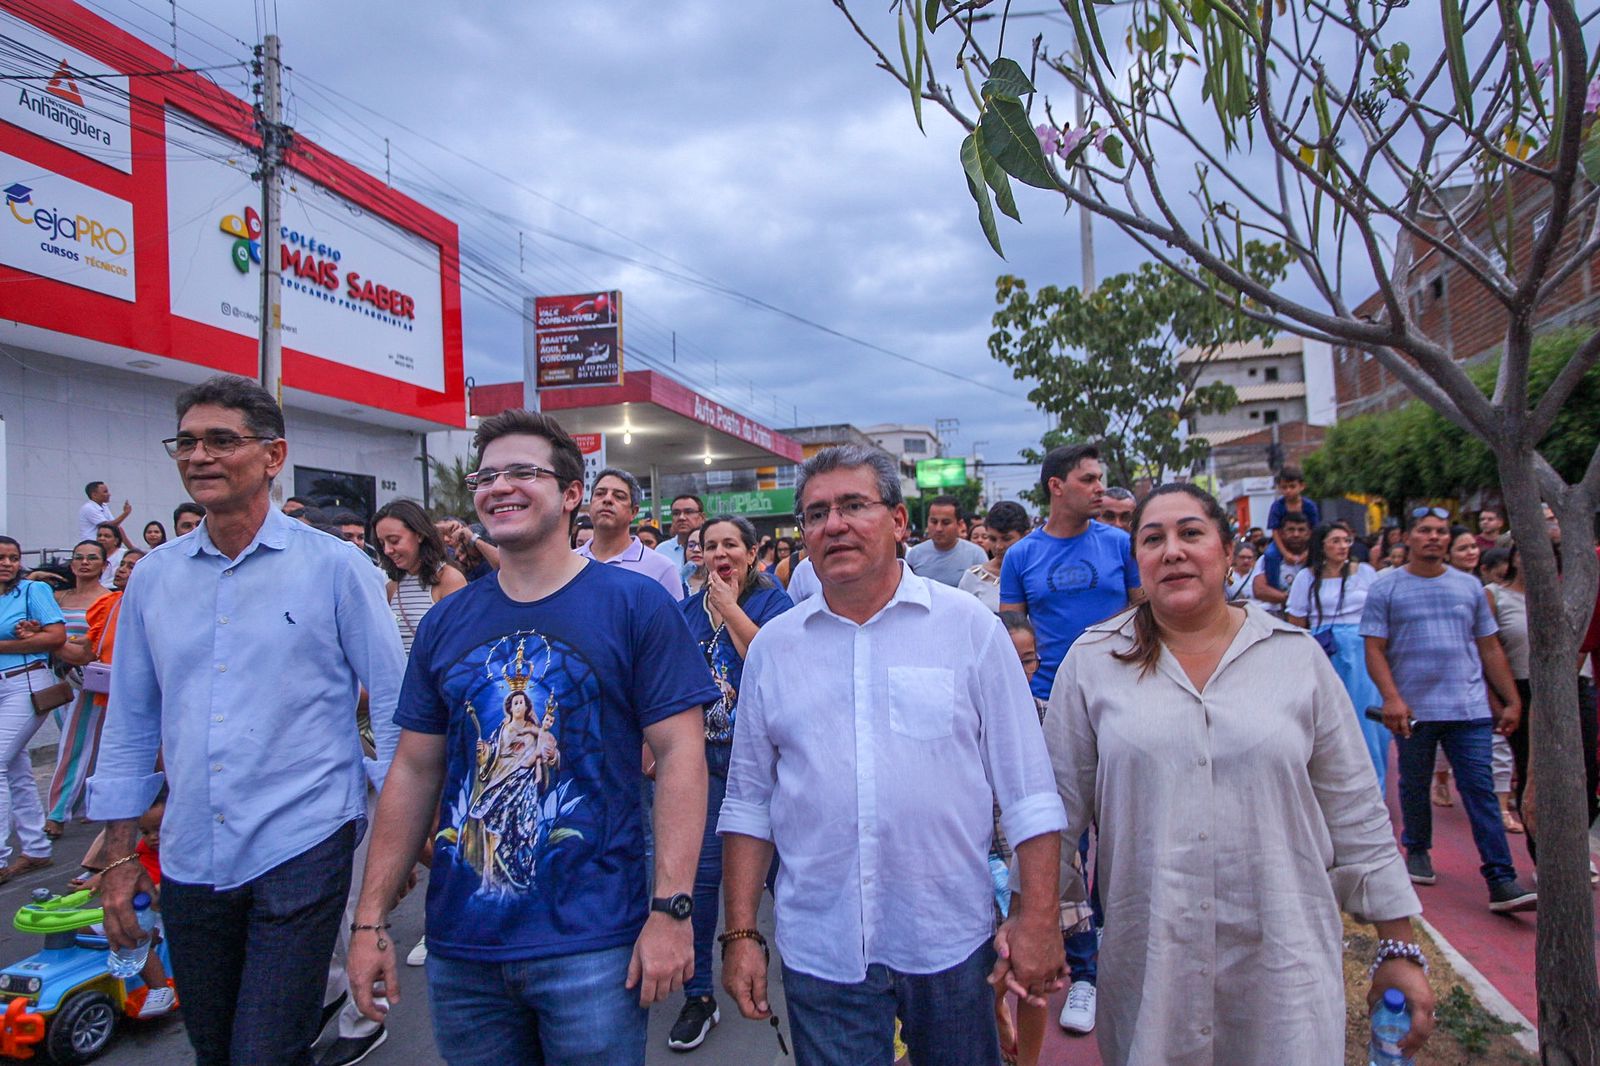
column 19, row 799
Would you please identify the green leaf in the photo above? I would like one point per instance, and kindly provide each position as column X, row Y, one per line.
column 1113, row 150
column 1093, row 22
column 978, row 187
column 996, row 178
column 1007, row 81
column 1176, row 18
column 912, row 71
column 916, row 82
column 1456, row 53
column 1590, row 156
column 1015, row 146
column 931, row 15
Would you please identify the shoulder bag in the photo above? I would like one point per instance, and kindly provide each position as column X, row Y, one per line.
column 50, row 697
column 97, row 674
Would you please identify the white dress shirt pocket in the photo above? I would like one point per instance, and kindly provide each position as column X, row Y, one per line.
column 922, row 701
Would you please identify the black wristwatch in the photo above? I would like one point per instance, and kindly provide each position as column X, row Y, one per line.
column 679, row 906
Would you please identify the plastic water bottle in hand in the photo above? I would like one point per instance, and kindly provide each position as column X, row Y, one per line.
column 127, row 962
column 1391, row 1021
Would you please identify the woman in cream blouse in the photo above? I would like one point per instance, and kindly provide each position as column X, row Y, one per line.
column 1238, row 813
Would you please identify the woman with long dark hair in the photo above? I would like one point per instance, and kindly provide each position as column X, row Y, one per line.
column 155, row 534
column 1236, row 816
column 31, row 627
column 1327, row 598
column 414, row 558
column 724, row 617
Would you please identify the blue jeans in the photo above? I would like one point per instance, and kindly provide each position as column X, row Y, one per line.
column 708, row 875
column 1083, row 947
column 946, row 1018
column 567, row 1010
column 250, row 962
column 1468, row 746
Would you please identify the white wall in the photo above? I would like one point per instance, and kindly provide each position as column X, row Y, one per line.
column 69, row 423
column 1322, row 400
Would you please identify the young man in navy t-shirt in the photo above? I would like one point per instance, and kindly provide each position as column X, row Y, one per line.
column 1069, row 575
column 525, row 705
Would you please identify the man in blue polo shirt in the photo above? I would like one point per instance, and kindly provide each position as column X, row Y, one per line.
column 525, row 703
column 613, row 505
column 1067, row 576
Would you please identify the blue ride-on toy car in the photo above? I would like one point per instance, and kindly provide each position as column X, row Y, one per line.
column 64, row 998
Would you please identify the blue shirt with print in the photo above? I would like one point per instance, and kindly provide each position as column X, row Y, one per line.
column 540, row 846
column 1067, row 584
column 762, row 604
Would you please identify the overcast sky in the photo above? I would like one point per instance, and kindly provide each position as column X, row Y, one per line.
column 752, row 144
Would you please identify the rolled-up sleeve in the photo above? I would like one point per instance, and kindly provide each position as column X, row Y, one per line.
column 1367, row 873
column 125, row 782
column 1014, row 755
column 753, row 765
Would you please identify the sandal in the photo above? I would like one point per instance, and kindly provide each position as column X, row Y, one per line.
column 1512, row 823
column 54, row 829
column 1441, row 792
column 85, row 875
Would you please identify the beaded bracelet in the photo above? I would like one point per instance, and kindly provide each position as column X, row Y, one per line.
column 745, row 934
column 1397, row 949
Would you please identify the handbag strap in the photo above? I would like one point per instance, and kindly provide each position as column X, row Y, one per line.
column 400, row 602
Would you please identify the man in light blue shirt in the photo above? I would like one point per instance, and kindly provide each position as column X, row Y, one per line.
column 241, row 654
column 688, row 515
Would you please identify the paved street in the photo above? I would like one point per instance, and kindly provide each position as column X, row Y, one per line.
column 410, row 1043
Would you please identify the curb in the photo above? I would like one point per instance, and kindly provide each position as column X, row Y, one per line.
column 1488, row 995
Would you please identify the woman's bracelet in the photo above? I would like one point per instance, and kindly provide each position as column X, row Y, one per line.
column 120, row 862
column 1397, row 949
column 745, row 934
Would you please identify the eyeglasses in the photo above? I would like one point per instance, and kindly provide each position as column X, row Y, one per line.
column 87, row 559
column 684, row 512
column 1431, row 512
column 519, row 472
column 219, row 443
column 817, row 514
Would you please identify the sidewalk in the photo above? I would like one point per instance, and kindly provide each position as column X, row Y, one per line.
column 1500, row 945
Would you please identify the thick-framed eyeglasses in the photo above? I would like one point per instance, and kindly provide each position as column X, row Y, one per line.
column 1430, row 512
column 816, row 516
column 88, row 559
column 684, row 512
column 219, row 443
column 516, row 472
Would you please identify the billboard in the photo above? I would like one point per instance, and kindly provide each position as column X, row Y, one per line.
column 62, row 229
column 62, row 95
column 578, row 339
column 593, row 447
column 357, row 290
column 941, row 473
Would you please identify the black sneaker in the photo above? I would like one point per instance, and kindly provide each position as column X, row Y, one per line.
column 349, row 1050
column 331, row 1010
column 699, row 1014
column 1420, row 867
column 1508, row 897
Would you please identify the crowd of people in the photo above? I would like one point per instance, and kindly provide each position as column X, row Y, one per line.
column 1127, row 752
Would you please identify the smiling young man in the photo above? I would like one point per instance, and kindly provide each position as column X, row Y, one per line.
column 877, row 723
column 251, row 630
column 1430, row 636
column 613, row 505
column 944, row 556
column 526, row 701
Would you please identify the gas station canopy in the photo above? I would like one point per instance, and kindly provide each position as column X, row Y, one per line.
column 653, row 423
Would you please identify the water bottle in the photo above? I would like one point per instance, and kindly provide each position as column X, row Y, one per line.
column 1391, row 1021
column 127, row 962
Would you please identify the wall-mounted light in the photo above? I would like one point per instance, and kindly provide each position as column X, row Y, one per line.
column 627, row 436
column 708, row 460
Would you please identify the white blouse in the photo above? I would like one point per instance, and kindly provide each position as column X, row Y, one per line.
column 1234, row 824
column 1333, row 607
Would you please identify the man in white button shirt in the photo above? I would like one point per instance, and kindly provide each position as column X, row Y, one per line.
column 876, row 723
column 98, row 510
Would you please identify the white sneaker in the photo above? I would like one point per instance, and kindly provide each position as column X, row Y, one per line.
column 1077, row 1015
column 419, row 954
column 158, row 1002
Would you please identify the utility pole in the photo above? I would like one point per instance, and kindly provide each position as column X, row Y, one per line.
column 274, row 138
column 1085, row 218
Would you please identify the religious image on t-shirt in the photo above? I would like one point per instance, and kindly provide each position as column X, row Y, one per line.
column 532, row 718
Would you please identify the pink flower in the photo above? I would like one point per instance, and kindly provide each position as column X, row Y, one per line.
column 1049, row 138
column 1591, row 104
column 1100, row 138
column 1070, row 139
